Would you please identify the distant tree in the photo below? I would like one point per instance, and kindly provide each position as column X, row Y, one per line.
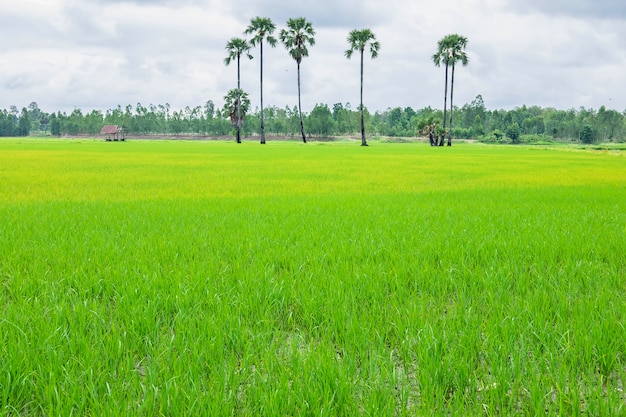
column 209, row 109
column 44, row 121
column 237, row 47
column 609, row 123
column 262, row 29
column 320, row 121
column 296, row 38
column 92, row 122
column 23, row 123
column 35, row 115
column 475, row 108
column 586, row 135
column 7, row 124
column 513, row 132
column 396, row 122
column 55, row 125
column 359, row 40
column 477, row 126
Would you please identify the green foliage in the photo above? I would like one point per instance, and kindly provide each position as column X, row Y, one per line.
column 397, row 122
column 8, row 124
column 478, row 127
column 297, row 38
column 236, row 47
column 586, row 136
column 262, row 29
column 450, row 50
column 359, row 39
column 55, row 125
column 513, row 132
column 320, row 121
column 236, row 99
column 23, row 123
column 473, row 120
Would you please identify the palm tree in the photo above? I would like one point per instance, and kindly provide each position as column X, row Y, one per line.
column 442, row 56
column 236, row 47
column 359, row 40
column 449, row 52
column 296, row 37
column 457, row 54
column 430, row 127
column 262, row 29
column 236, row 103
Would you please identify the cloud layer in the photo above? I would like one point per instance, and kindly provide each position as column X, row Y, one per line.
column 96, row 54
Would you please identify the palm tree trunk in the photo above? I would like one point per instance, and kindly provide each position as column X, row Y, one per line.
column 451, row 107
column 363, row 141
column 300, row 107
column 238, row 101
column 445, row 108
column 262, row 122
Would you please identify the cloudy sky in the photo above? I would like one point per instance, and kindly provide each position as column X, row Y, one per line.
column 97, row 54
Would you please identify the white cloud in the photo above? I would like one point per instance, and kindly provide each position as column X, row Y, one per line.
column 98, row 54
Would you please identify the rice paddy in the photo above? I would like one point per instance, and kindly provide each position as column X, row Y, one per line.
column 208, row 278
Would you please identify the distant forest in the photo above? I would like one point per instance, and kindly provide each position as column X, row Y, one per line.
column 471, row 121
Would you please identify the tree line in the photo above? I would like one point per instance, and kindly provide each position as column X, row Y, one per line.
column 472, row 121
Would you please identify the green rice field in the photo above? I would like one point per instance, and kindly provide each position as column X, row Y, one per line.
column 206, row 278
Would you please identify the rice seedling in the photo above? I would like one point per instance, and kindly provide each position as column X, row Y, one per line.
column 183, row 278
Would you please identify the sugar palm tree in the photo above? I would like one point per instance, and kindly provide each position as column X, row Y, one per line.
column 449, row 52
column 237, row 47
column 296, row 38
column 359, row 40
column 262, row 29
column 457, row 54
column 236, row 104
column 442, row 56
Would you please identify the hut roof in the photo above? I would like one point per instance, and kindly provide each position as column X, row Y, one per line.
column 110, row 130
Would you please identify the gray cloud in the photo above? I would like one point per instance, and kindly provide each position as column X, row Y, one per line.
column 608, row 9
column 98, row 54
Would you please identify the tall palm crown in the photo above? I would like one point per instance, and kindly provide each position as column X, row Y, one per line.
column 237, row 47
column 442, row 56
column 298, row 35
column 455, row 46
column 296, row 38
column 262, row 29
column 359, row 40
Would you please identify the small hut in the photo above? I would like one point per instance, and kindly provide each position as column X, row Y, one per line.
column 113, row 132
